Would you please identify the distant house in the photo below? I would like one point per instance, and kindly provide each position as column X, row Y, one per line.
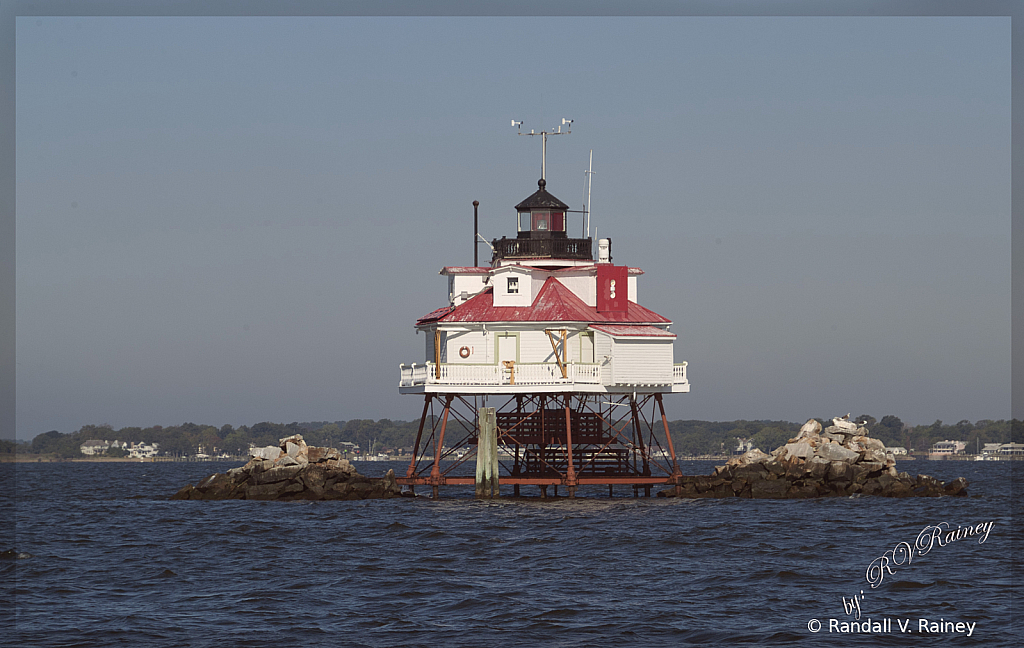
column 94, row 447
column 142, row 450
column 896, row 450
column 946, row 449
column 1011, row 450
column 743, row 445
column 991, row 449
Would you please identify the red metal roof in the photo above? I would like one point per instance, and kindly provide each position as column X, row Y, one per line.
column 632, row 271
column 448, row 270
column 618, row 330
column 554, row 303
column 434, row 315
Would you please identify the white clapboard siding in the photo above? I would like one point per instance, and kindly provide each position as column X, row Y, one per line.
column 475, row 341
column 583, row 286
column 602, row 355
column 642, row 361
column 535, row 347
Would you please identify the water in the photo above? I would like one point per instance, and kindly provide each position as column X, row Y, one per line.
column 115, row 563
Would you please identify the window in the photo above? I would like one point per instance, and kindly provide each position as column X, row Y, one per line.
column 557, row 221
column 524, row 221
column 540, row 221
column 513, row 285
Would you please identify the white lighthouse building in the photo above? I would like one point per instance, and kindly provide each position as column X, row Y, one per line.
column 561, row 346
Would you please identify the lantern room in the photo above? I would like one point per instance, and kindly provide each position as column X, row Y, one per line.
column 541, row 215
column 541, row 221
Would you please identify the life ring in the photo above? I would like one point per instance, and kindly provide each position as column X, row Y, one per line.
column 464, row 352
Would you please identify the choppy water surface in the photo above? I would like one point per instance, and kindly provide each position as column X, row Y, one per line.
column 114, row 563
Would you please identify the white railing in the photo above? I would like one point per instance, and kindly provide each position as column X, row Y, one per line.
column 525, row 374
column 679, row 374
column 589, row 374
column 455, row 374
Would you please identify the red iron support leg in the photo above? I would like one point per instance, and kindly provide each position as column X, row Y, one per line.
column 419, row 435
column 676, row 472
column 435, row 471
column 570, row 476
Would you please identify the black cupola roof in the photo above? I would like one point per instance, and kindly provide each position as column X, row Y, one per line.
column 541, row 199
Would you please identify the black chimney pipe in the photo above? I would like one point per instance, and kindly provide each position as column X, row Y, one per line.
column 476, row 233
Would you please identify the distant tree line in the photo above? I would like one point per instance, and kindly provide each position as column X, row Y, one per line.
column 186, row 439
column 696, row 438
column 689, row 437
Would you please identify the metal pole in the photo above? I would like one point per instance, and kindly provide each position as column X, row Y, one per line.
column 590, row 173
column 570, row 475
column 435, row 472
column 638, row 431
column 476, row 233
column 543, row 154
column 419, row 434
column 676, row 472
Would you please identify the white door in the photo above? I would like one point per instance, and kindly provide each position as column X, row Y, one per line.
column 508, row 347
column 587, row 347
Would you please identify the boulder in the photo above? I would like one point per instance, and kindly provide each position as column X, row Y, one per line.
column 836, row 452
column 774, row 489
column 270, row 453
column 295, row 471
column 841, row 460
column 800, row 449
column 956, row 487
column 277, row 474
column 810, row 428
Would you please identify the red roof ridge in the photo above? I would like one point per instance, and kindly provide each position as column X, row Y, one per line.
column 554, row 302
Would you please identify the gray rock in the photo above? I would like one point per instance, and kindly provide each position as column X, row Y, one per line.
column 801, row 491
column 875, row 467
column 810, row 428
column 264, row 492
column 873, row 456
column 836, row 452
column 840, row 471
column 277, row 474
column 317, row 455
column 817, row 467
column 270, row 453
column 868, row 443
column 800, row 449
column 774, row 489
column 956, row 487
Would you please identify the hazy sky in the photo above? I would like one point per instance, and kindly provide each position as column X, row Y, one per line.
column 232, row 220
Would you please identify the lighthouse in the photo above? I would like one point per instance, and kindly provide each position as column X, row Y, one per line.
column 557, row 343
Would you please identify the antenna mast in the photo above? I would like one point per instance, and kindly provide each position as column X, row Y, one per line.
column 544, row 142
column 586, row 207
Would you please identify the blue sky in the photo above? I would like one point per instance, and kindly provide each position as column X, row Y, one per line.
column 231, row 220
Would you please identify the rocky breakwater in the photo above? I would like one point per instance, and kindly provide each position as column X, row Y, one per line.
column 292, row 471
column 840, row 460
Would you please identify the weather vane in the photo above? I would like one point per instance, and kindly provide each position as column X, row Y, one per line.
column 544, row 140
